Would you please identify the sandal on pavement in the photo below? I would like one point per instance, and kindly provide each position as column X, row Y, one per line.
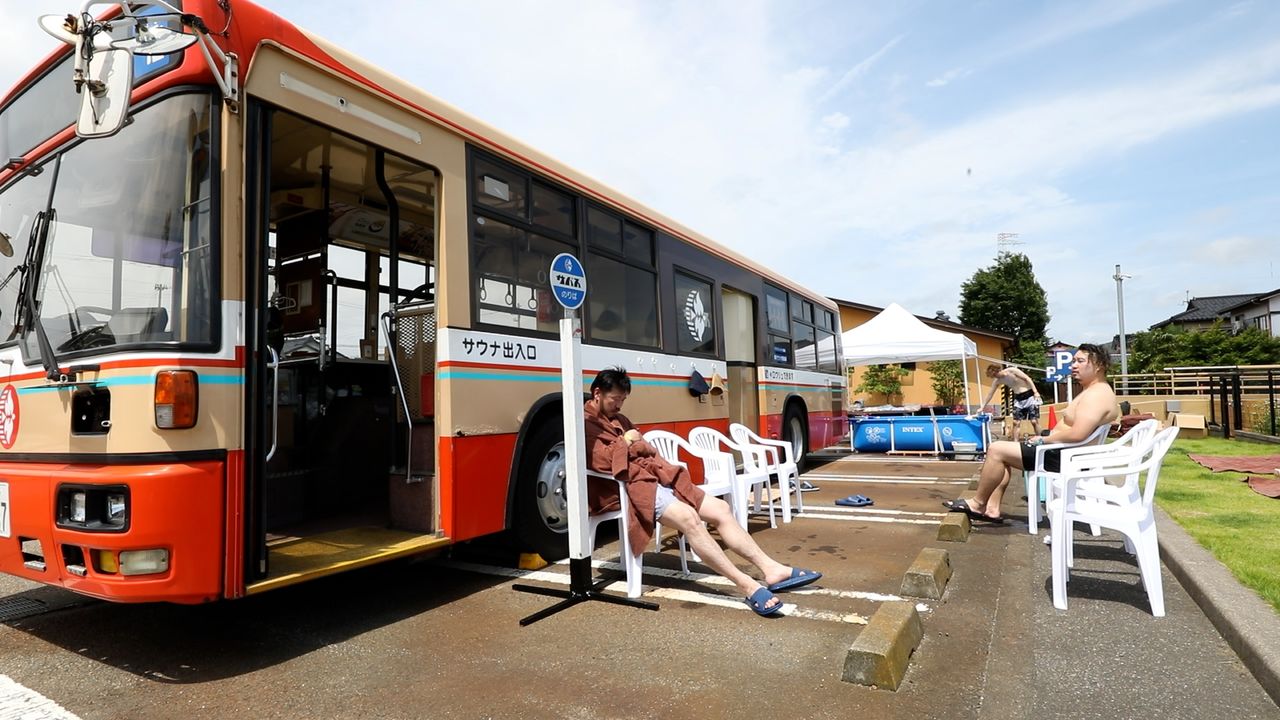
column 758, row 601
column 799, row 578
column 960, row 505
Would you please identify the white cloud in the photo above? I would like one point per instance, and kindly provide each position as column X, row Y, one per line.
column 949, row 77
column 1235, row 249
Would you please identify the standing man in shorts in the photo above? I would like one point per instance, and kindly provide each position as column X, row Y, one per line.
column 1026, row 398
column 1094, row 407
column 659, row 490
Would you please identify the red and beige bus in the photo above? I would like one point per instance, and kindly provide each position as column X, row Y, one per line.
column 270, row 313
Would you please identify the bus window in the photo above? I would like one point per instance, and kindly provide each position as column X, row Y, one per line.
column 110, row 278
column 622, row 305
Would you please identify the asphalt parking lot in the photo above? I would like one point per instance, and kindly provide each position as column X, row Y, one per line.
column 440, row 638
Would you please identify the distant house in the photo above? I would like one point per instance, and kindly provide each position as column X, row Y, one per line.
column 1260, row 311
column 917, row 387
column 1238, row 312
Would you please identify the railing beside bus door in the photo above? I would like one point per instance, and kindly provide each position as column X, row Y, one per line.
column 387, row 318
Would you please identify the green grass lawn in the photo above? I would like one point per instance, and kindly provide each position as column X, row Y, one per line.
column 1239, row 526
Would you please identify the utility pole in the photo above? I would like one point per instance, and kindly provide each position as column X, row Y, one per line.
column 1124, row 354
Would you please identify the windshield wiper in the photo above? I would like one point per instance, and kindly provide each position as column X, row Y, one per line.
column 28, row 299
column 30, row 276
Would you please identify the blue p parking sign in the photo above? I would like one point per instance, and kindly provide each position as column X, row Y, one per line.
column 568, row 281
column 1060, row 370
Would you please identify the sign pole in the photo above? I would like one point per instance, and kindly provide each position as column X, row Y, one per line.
column 569, row 286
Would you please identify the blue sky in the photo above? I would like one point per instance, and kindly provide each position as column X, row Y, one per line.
column 873, row 151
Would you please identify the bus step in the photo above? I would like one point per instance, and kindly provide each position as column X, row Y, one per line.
column 413, row 504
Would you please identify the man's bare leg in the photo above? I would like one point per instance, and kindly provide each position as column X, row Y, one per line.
column 684, row 519
column 717, row 512
column 1003, row 459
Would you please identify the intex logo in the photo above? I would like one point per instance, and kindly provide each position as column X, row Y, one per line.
column 911, row 429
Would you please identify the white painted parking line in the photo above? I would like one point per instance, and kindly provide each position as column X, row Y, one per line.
column 718, row 600
column 788, row 609
column 874, row 511
column 710, row 579
column 812, row 515
column 21, row 703
column 884, row 480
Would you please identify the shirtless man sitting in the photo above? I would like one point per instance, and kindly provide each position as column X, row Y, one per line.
column 1094, row 407
column 1026, row 398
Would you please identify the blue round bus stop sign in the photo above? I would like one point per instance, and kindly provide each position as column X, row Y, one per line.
column 568, row 281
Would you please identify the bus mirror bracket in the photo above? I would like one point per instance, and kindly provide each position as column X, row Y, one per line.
column 99, row 64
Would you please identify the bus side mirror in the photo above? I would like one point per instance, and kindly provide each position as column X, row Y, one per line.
column 104, row 95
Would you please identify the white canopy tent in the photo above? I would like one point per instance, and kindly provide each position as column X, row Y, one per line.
column 897, row 336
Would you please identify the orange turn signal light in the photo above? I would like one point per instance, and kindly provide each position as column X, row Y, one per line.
column 176, row 392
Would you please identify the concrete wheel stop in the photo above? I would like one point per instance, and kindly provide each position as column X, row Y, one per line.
column 880, row 654
column 928, row 575
column 954, row 527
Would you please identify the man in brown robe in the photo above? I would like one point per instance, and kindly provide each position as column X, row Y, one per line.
column 659, row 490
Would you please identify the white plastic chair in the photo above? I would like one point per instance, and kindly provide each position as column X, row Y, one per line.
column 1137, row 437
column 1131, row 514
column 1033, row 474
column 752, row 476
column 632, row 563
column 717, row 477
column 779, row 461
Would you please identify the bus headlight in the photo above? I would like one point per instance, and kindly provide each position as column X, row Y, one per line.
column 117, row 509
column 94, row 508
column 78, row 503
column 144, row 562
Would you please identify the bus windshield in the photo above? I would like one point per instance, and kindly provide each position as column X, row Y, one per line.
column 128, row 257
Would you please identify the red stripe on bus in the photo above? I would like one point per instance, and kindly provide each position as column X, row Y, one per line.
column 143, row 363
column 501, row 366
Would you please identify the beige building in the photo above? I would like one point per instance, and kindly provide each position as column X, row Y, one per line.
column 917, row 386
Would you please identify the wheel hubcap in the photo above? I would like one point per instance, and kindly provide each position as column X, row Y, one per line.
column 797, row 437
column 552, row 504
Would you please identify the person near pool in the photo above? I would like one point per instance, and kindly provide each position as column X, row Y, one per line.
column 1026, row 398
column 659, row 490
column 1092, row 408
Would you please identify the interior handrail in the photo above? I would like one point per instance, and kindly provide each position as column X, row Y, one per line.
column 275, row 400
column 404, row 400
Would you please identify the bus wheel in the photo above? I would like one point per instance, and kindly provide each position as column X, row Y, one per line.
column 542, row 511
column 793, row 431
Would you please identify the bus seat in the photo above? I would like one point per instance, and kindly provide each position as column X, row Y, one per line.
column 138, row 324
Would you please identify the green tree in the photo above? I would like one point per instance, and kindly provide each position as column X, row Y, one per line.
column 1155, row 350
column 882, row 379
column 1007, row 298
column 948, row 381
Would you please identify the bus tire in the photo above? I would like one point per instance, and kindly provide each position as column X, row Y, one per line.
column 796, row 431
column 541, row 510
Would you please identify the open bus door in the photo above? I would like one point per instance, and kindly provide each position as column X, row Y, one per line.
column 339, row 472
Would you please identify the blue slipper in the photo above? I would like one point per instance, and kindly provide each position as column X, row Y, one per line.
column 759, row 600
column 855, row 501
column 799, row 578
